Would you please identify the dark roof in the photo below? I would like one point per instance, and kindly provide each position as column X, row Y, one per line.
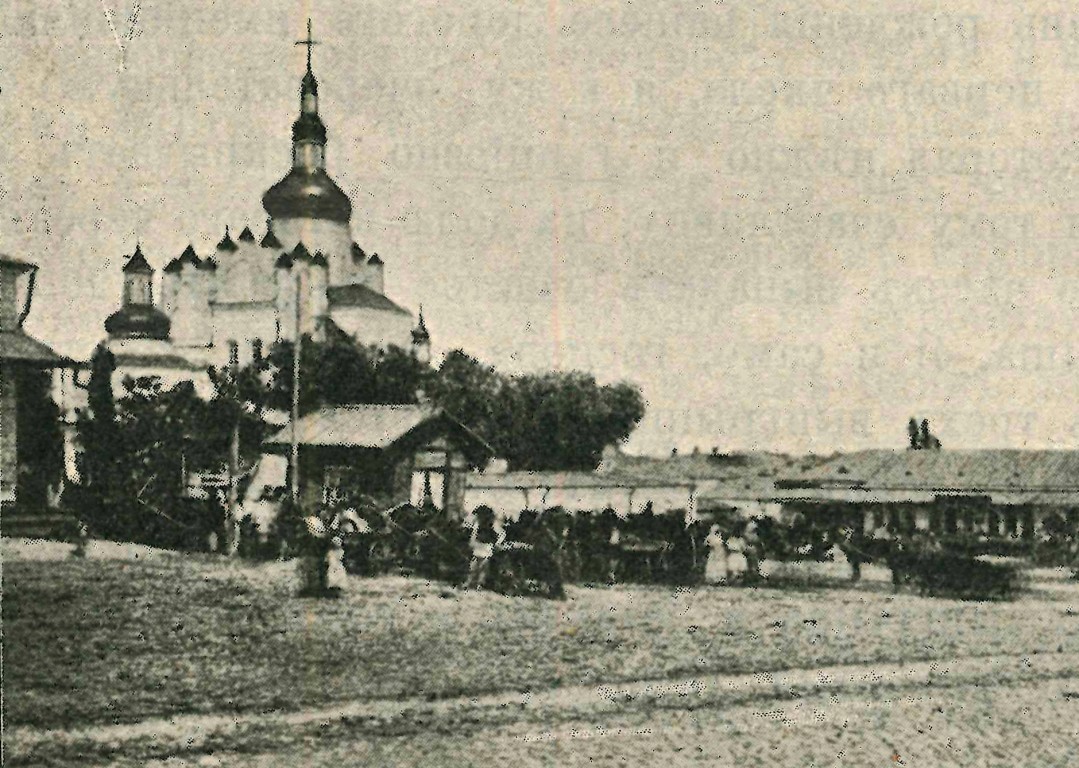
column 300, row 252
column 375, row 260
column 138, row 321
column 304, row 194
column 319, row 260
column 189, row 257
column 208, row 263
column 138, row 264
column 309, row 84
column 17, row 345
column 362, row 296
column 368, row 426
column 20, row 264
column 309, row 127
column 173, row 266
column 357, row 252
column 971, row 471
column 247, row 235
column 269, row 240
column 284, row 261
column 155, row 361
column 226, row 243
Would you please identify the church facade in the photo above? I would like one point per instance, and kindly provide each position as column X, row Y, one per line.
column 303, row 274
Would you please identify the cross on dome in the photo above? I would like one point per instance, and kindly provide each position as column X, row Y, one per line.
column 309, row 42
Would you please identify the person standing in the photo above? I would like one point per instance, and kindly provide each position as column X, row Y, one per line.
column 482, row 544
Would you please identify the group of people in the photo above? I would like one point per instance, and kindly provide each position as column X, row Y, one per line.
column 540, row 550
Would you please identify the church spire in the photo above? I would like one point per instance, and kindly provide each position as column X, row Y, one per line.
column 308, row 132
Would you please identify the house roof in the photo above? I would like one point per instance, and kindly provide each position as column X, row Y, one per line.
column 362, row 296
column 510, row 480
column 16, row 345
column 971, row 471
column 366, row 426
column 20, row 264
column 699, row 467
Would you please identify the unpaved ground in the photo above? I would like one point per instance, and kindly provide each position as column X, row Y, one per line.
column 1034, row 725
column 133, row 634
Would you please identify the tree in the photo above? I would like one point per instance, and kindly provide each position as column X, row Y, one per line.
column 99, row 437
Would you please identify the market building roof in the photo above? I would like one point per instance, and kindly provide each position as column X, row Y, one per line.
column 369, row 426
column 947, row 471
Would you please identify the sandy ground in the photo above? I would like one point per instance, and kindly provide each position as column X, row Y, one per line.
column 1034, row 725
column 1019, row 708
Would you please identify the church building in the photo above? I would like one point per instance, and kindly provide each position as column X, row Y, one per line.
column 305, row 273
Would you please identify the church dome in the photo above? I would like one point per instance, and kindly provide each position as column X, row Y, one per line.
column 138, row 321
column 307, row 194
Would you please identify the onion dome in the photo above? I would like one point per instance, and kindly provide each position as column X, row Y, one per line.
column 247, row 235
column 284, row 261
column 269, row 240
column 207, row 264
column 307, row 194
column 138, row 321
column 227, row 243
column 319, row 260
column 137, row 264
column 189, row 257
column 375, row 261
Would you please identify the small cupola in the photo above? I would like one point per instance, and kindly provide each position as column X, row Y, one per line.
column 138, row 318
column 227, row 244
column 247, row 236
column 300, row 253
column 189, row 258
column 269, row 240
column 420, row 334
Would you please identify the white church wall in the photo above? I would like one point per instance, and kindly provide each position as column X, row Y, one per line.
column 246, row 274
column 243, row 323
column 332, row 238
column 370, row 326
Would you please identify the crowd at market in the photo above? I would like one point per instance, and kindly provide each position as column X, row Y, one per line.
column 538, row 552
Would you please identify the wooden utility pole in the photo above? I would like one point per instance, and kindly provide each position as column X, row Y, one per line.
column 294, row 437
column 232, row 542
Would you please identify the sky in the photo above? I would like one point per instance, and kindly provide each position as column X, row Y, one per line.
column 793, row 224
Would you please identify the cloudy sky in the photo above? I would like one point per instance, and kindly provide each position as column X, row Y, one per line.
column 794, row 225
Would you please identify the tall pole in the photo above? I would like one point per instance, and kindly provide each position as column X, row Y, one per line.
column 232, row 539
column 295, row 440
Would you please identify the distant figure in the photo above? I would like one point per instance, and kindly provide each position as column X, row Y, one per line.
column 336, row 575
column 614, row 545
column 482, row 544
column 719, row 566
column 736, row 563
column 82, row 537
